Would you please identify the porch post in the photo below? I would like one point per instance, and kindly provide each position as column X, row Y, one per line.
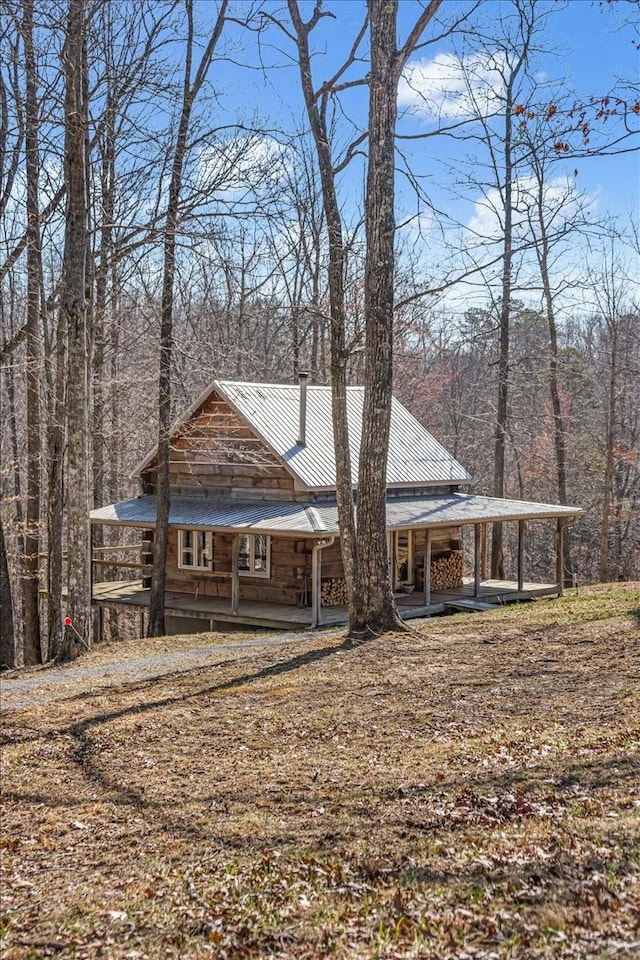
column 91, row 573
column 428, row 535
column 483, row 552
column 521, row 530
column 559, row 556
column 235, row 574
column 476, row 559
column 316, row 585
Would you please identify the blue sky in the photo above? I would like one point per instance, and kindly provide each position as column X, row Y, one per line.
column 587, row 46
column 590, row 46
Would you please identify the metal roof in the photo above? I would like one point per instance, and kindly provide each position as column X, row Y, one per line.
column 264, row 516
column 272, row 410
column 415, row 457
column 317, row 519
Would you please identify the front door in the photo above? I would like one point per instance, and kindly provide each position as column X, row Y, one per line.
column 401, row 558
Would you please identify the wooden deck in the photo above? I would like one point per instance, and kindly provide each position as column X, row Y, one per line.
column 213, row 610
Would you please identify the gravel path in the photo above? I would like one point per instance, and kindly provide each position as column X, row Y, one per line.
column 45, row 686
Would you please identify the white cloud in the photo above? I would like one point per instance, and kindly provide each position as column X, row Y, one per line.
column 450, row 87
column 418, row 225
column 231, row 167
column 561, row 201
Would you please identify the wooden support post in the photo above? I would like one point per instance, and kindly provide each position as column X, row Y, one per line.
column 521, row 532
column 559, row 556
column 91, row 573
column 319, row 587
column 476, row 559
column 483, row 552
column 427, row 566
column 315, row 598
column 235, row 574
column 316, row 580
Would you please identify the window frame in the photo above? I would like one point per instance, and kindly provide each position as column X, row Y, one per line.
column 196, row 551
column 251, row 552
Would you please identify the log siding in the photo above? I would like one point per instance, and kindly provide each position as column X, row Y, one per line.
column 218, row 452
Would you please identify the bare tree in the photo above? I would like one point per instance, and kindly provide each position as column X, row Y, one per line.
column 191, row 88
column 74, row 307
column 370, row 599
column 555, row 211
column 7, row 635
column 31, row 586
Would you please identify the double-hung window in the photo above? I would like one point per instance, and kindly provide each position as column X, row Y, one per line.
column 195, row 549
column 255, row 555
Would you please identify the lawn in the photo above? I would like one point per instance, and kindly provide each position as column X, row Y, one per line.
column 468, row 789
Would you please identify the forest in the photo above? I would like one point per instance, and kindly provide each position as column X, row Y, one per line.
column 184, row 196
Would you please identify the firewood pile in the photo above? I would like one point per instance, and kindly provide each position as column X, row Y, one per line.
column 333, row 592
column 446, row 571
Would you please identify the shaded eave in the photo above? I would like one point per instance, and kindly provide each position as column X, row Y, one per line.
column 313, row 520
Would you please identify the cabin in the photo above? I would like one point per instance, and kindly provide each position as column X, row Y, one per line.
column 253, row 524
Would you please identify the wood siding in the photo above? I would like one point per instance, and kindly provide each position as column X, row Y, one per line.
column 217, row 452
column 290, row 579
column 290, row 566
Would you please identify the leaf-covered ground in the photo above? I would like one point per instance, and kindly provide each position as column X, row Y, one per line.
column 470, row 789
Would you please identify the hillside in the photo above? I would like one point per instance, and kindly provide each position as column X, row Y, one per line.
column 470, row 789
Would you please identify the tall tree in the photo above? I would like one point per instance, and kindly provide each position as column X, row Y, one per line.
column 316, row 105
column 190, row 89
column 370, row 598
column 31, row 586
column 74, row 307
column 504, row 168
column 555, row 212
column 7, row 634
column 374, row 606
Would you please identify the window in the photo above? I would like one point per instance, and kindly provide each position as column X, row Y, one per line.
column 255, row 555
column 195, row 549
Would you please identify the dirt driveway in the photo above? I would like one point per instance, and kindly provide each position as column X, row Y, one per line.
column 111, row 666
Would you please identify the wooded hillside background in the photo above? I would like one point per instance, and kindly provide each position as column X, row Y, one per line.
column 520, row 341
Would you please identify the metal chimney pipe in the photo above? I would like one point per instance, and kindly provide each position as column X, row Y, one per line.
column 302, row 431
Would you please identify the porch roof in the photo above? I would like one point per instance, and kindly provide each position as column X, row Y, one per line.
column 321, row 518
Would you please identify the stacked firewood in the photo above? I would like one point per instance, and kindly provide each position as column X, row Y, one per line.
column 333, row 592
column 446, row 571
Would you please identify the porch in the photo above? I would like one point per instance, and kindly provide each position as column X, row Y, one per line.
column 301, row 580
column 214, row 611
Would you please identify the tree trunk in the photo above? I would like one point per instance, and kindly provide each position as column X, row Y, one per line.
column 107, row 193
column 78, row 637
column 374, row 608
column 31, row 586
column 55, row 513
column 163, row 491
column 497, row 548
column 7, row 633
column 339, row 354
column 604, row 571
column 559, row 428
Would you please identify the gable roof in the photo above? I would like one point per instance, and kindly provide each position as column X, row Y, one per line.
column 272, row 411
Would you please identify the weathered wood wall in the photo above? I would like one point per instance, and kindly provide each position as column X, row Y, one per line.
column 217, row 452
column 290, row 564
column 290, row 568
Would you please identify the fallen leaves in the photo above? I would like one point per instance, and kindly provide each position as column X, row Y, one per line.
column 426, row 796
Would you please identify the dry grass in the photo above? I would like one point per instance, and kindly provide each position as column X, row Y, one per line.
column 471, row 789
